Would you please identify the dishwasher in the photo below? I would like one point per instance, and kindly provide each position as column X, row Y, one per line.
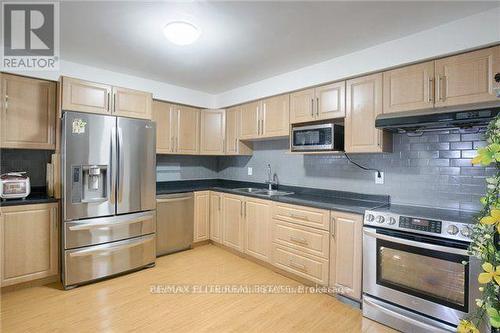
column 174, row 223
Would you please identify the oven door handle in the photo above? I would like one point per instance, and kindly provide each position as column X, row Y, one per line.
column 427, row 246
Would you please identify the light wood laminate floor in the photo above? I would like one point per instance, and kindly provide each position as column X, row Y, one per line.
column 125, row 304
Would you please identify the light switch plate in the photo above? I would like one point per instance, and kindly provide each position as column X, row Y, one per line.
column 250, row 171
column 379, row 180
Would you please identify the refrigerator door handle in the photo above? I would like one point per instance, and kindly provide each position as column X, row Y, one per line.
column 119, row 188
column 112, row 178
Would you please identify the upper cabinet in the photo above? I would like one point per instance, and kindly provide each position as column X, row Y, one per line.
column 162, row 115
column 268, row 118
column 325, row 102
column 409, row 88
column 233, row 145
column 467, row 78
column 364, row 104
column 85, row 96
column 28, row 113
column 213, row 130
column 187, row 139
column 275, row 116
column 131, row 103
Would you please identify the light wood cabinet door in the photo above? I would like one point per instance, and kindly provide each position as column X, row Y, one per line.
column 28, row 113
column 201, row 216
column 85, row 96
column 467, row 78
column 29, row 243
column 131, row 103
column 346, row 253
column 188, row 123
column 213, row 131
column 164, row 133
column 302, row 106
column 250, row 124
column 330, row 101
column 409, row 88
column 232, row 234
column 216, row 217
column 257, row 228
column 275, row 114
column 364, row 104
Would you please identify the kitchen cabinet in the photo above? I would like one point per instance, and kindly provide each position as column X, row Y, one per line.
column 467, row 78
column 213, row 132
column 409, row 88
column 275, row 117
column 216, row 217
column 28, row 113
column 364, row 104
column 86, row 96
column 257, row 214
column 187, row 140
column 306, row 216
column 131, row 103
column 233, row 221
column 267, row 118
column 250, row 121
column 233, row 145
column 320, row 103
column 346, row 253
column 28, row 242
column 162, row 115
column 201, row 216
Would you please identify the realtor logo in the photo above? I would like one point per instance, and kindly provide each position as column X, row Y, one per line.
column 30, row 36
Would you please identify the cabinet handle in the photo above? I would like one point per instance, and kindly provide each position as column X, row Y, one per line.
column 109, row 101
column 297, row 266
column 241, row 208
column 299, row 240
column 301, row 217
column 445, row 88
column 312, row 107
column 172, row 144
column 317, row 106
column 245, row 208
column 114, row 103
column 332, row 227
column 429, row 91
column 235, row 144
column 176, row 140
column 438, row 88
column 6, row 102
column 220, row 203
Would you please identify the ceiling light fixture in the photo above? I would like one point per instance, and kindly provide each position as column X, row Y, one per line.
column 181, row 33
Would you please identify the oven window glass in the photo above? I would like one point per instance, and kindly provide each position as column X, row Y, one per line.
column 313, row 137
column 435, row 276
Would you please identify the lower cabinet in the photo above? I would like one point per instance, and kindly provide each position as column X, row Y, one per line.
column 216, row 217
column 346, row 253
column 201, row 216
column 257, row 215
column 233, row 218
column 28, row 242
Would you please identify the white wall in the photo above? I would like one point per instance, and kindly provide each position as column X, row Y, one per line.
column 160, row 90
column 467, row 33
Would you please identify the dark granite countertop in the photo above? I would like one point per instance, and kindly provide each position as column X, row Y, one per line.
column 37, row 196
column 317, row 198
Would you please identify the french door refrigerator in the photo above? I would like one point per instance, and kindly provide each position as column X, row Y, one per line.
column 109, row 190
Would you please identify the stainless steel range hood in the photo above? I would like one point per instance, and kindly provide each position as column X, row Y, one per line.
column 473, row 115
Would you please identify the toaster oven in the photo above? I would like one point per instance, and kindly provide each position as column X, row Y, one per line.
column 14, row 185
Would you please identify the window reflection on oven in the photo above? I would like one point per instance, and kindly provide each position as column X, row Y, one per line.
column 432, row 275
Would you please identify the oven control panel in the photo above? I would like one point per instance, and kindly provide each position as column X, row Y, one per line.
column 419, row 225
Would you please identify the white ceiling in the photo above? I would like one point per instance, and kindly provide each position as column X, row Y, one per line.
column 241, row 42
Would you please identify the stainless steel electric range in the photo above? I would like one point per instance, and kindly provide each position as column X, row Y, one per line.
column 417, row 274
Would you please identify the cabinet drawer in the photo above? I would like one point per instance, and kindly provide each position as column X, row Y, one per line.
column 108, row 229
column 311, row 217
column 308, row 267
column 305, row 239
column 94, row 262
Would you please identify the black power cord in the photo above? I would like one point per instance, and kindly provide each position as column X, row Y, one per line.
column 362, row 167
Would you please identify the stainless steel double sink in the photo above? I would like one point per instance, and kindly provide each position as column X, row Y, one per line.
column 261, row 191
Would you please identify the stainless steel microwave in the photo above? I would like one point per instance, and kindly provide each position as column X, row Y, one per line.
column 317, row 137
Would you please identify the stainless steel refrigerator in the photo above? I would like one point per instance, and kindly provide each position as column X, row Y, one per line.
column 109, row 190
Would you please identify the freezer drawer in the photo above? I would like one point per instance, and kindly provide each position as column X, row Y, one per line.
column 108, row 229
column 94, row 262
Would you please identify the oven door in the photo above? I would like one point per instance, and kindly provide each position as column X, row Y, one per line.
column 314, row 137
column 420, row 273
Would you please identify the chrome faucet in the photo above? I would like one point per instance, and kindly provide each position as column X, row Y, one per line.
column 272, row 179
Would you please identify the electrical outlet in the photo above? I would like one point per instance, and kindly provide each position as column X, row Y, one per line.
column 250, row 171
column 379, row 180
